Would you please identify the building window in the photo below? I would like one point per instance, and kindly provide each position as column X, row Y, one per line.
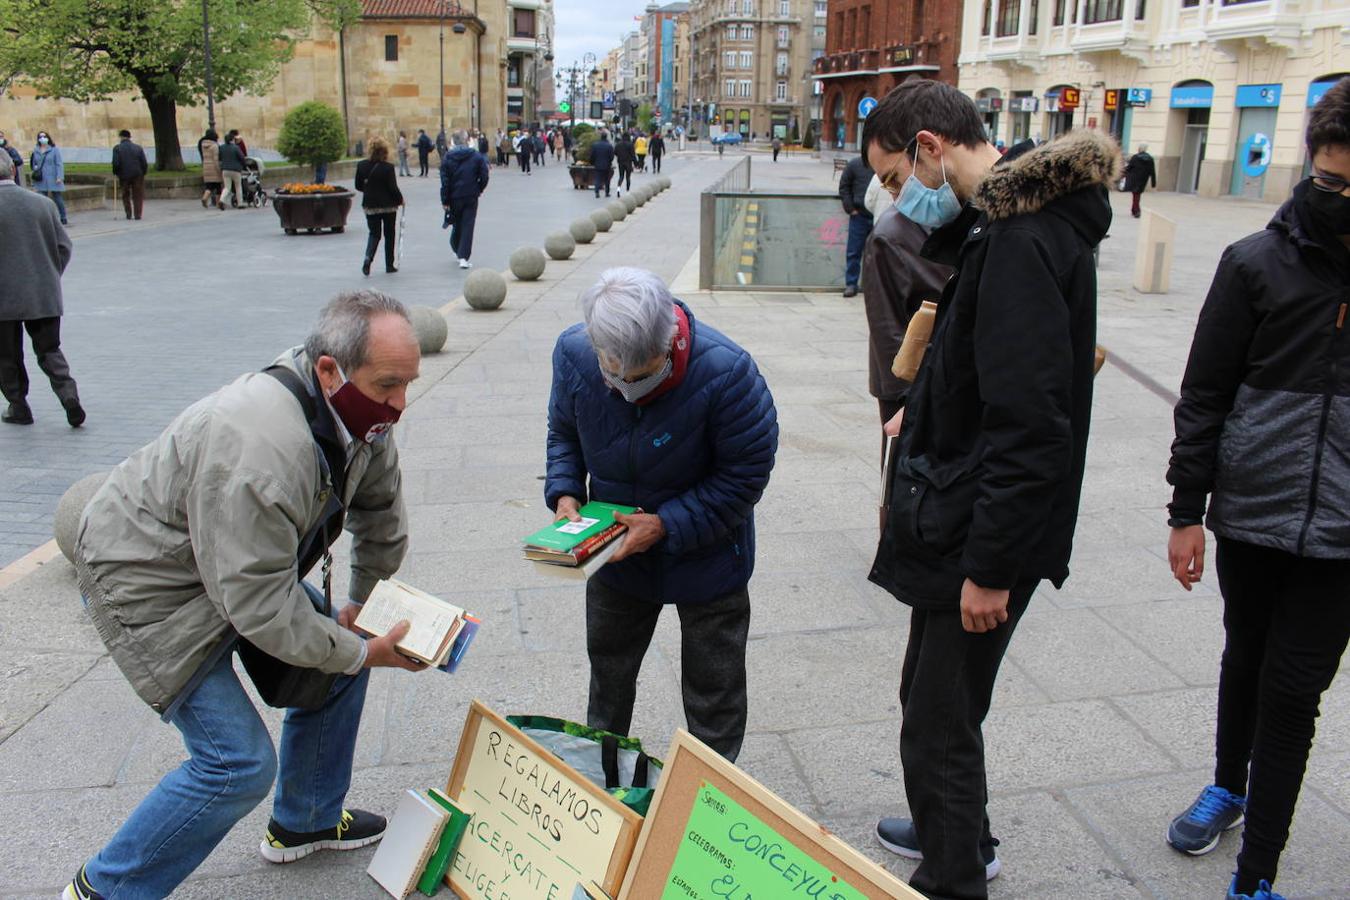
column 391, row 48
column 1190, row 4
column 1095, row 11
column 785, row 7
column 731, row 30
column 1059, row 12
column 820, row 9
column 1139, row 10
column 729, row 59
column 1008, row 13
column 748, row 7
column 731, row 7
column 524, row 22
column 865, row 20
column 837, row 35
column 783, row 35
column 780, row 91
column 820, row 32
column 513, row 72
column 729, row 88
column 984, row 23
column 1034, row 14
column 781, row 65
column 747, row 32
column 747, row 59
column 745, row 87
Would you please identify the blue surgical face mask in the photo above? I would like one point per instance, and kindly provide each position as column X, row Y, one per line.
column 930, row 207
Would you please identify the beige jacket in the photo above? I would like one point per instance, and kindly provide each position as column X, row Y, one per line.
column 211, row 163
column 193, row 539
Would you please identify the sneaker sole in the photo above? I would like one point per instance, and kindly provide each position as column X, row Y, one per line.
column 991, row 870
column 1208, row 847
column 291, row 854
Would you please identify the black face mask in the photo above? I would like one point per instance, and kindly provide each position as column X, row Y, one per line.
column 1332, row 211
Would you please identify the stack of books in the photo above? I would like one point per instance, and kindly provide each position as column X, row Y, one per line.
column 578, row 549
column 418, row 846
column 439, row 633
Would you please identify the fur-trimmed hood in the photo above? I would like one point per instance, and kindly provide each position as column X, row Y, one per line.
column 1082, row 158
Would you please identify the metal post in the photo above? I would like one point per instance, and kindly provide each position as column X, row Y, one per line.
column 442, row 65
column 210, row 79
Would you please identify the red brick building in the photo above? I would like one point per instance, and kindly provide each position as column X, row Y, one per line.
column 873, row 45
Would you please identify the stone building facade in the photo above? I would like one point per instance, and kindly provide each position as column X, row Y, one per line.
column 393, row 83
column 1219, row 89
column 751, row 59
column 873, row 45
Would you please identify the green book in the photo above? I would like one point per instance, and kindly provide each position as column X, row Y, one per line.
column 563, row 536
column 439, row 863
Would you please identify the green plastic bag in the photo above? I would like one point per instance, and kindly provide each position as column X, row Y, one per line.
column 611, row 761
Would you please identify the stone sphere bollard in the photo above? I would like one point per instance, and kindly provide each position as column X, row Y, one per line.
column 629, row 201
column 560, row 245
column 582, row 230
column 430, row 327
column 602, row 219
column 665, row 182
column 485, row 289
column 617, row 210
column 70, row 509
column 528, row 263
column 641, row 196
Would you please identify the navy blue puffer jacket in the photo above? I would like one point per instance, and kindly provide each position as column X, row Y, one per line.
column 698, row 456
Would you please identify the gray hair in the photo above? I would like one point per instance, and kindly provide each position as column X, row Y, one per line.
column 630, row 316
column 6, row 167
column 1143, row 148
column 460, row 138
column 343, row 329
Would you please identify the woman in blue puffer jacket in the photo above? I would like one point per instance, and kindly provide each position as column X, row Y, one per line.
column 653, row 409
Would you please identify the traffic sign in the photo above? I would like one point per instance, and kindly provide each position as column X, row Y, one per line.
column 564, row 107
column 865, row 106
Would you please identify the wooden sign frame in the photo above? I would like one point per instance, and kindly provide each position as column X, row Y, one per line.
column 688, row 766
column 630, row 822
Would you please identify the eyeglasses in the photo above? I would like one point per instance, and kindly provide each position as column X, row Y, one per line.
column 1332, row 184
column 891, row 181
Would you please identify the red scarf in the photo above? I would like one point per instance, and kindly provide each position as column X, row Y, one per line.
column 679, row 357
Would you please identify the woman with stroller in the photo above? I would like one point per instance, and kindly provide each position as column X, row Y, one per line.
column 212, row 180
column 49, row 172
column 232, row 171
column 380, row 200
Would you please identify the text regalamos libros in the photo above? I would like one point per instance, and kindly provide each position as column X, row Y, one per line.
column 549, row 801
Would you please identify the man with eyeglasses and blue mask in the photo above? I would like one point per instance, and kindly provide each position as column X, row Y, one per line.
column 654, row 409
column 993, row 438
column 1263, row 433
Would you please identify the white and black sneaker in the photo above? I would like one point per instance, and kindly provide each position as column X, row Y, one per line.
column 355, row 829
column 80, row 888
column 465, row 264
column 899, row 837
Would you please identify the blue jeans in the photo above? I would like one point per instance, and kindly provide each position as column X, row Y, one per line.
column 859, row 227
column 59, row 198
column 230, row 769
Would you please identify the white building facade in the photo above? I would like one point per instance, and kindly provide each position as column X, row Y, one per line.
column 1219, row 89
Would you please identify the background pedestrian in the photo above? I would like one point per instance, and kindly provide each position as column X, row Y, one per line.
column 380, row 201
column 403, row 155
column 232, row 172
column 853, row 184
column 49, row 173
column 212, row 180
column 1139, row 171
column 464, row 177
column 423, row 152
column 129, row 167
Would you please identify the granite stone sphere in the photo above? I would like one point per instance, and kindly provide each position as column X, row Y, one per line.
column 617, row 210
column 629, row 201
column 665, row 181
column 641, row 195
column 560, row 245
column 485, row 289
column 528, row 263
column 582, row 230
column 70, row 509
column 430, row 327
column 602, row 219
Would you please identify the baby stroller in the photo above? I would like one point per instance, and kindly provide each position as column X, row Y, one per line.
column 254, row 195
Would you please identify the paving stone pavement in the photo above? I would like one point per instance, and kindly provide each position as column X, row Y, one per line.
column 1102, row 718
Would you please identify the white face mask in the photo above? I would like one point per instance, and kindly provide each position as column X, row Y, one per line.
column 42, row 141
column 633, row 391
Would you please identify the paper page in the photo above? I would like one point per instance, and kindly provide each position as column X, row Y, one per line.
column 430, row 619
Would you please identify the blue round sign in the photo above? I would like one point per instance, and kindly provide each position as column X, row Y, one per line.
column 865, row 106
column 1257, row 155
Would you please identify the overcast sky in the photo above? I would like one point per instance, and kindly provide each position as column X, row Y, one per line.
column 594, row 26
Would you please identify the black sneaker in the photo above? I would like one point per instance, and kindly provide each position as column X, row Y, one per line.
column 899, row 837
column 356, row 828
column 1197, row 830
column 80, row 888
column 18, row 413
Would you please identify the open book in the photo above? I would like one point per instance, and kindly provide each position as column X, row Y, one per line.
column 435, row 624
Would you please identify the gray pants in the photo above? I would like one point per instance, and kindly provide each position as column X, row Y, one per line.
column 619, row 629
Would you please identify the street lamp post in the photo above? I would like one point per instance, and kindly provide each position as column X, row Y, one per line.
column 448, row 8
column 585, row 67
column 210, row 80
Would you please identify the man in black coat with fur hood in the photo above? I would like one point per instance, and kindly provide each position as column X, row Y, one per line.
column 989, row 469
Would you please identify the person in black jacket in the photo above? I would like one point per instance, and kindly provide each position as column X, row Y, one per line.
column 1139, row 171
column 602, row 159
column 424, row 146
column 656, row 148
column 1262, row 431
column 129, row 166
column 852, row 192
column 624, row 158
column 380, row 199
column 987, row 476
column 232, row 170
column 464, row 177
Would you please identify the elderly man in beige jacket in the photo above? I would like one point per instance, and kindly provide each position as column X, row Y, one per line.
column 194, row 549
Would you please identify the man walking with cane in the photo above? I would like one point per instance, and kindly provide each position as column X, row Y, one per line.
column 129, row 166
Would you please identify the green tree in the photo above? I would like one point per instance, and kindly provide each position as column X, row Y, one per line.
column 644, row 118
column 312, row 135
column 89, row 50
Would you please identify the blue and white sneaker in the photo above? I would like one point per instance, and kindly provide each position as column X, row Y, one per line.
column 1197, row 830
column 1263, row 892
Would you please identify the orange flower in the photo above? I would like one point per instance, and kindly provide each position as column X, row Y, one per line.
column 298, row 188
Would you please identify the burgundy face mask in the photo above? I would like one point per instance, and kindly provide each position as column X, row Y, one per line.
column 366, row 419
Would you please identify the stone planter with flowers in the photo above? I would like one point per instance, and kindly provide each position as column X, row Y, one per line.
column 313, row 135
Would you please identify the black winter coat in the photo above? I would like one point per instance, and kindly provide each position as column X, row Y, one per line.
column 128, row 160
column 1264, row 418
column 602, row 155
column 857, row 175
column 231, row 157
column 1139, row 171
column 424, row 145
column 656, row 147
column 378, row 184
column 990, row 466
column 464, row 175
column 624, row 155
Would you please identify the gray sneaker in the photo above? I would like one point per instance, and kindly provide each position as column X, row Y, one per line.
column 898, row 836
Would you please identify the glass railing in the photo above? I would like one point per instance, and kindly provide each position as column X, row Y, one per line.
column 769, row 240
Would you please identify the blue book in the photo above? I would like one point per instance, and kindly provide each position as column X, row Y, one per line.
column 462, row 642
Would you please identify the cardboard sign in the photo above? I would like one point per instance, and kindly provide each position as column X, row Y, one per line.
column 539, row 827
column 714, row 833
